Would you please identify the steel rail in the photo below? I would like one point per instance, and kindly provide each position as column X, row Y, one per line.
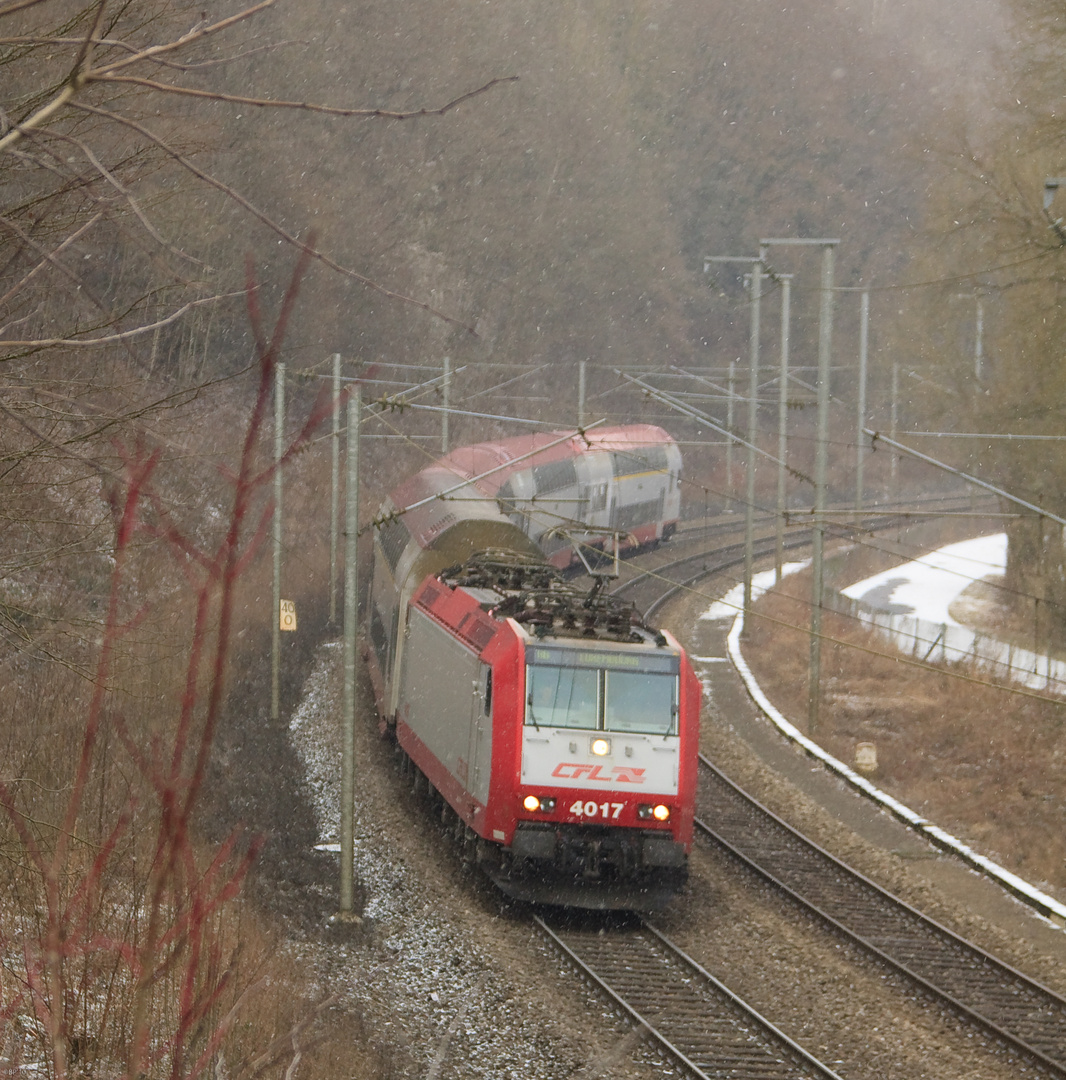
column 710, row 1030
column 695, row 1018
column 726, row 557
column 1015, row 1009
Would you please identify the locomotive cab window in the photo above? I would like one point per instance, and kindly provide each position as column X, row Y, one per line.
column 640, row 702
column 640, row 697
column 562, row 697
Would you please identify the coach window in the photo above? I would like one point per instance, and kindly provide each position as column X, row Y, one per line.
column 641, row 702
column 562, row 697
column 597, row 497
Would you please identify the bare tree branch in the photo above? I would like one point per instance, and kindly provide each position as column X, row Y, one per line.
column 134, row 50
column 130, row 200
column 87, row 68
column 15, row 228
column 18, row 5
column 49, row 258
column 198, row 33
column 124, row 335
column 58, row 167
column 77, row 78
column 305, row 106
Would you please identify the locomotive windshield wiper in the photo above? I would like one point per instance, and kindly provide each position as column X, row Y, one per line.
column 532, row 714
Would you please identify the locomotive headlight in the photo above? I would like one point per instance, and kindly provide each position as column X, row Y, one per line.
column 541, row 804
column 600, row 747
column 660, row 812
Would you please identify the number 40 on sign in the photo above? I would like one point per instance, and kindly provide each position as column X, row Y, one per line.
column 288, row 615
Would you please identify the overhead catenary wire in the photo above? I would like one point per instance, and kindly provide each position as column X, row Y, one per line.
column 507, row 382
column 876, row 437
column 542, row 511
column 797, row 514
column 695, row 414
column 481, row 476
column 837, row 517
column 546, row 516
column 991, row 436
column 467, row 412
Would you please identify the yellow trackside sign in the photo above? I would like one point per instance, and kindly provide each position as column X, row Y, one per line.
column 288, row 615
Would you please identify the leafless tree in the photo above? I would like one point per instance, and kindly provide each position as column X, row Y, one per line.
column 116, row 952
column 987, row 322
column 110, row 291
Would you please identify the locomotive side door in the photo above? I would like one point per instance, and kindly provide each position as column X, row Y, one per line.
column 479, row 751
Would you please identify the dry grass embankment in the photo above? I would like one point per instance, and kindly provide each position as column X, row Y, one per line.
column 983, row 762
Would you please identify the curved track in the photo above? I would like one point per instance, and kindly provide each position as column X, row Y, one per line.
column 661, row 988
column 1012, row 1007
column 656, row 585
column 691, row 1015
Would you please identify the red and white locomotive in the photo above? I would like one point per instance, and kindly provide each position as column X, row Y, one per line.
column 558, row 730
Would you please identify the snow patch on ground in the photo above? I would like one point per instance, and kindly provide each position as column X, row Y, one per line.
column 733, row 602
column 928, row 586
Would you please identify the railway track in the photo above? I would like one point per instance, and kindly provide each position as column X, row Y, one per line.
column 710, row 1030
column 1002, row 1001
column 692, row 1016
column 655, row 586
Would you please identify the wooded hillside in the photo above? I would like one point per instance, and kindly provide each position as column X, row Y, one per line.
column 565, row 215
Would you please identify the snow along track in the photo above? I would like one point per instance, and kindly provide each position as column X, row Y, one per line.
column 651, row 589
column 1015, row 1009
column 1045, row 905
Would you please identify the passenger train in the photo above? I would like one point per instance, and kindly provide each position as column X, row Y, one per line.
column 558, row 731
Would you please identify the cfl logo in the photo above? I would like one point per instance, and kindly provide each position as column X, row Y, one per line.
column 619, row 774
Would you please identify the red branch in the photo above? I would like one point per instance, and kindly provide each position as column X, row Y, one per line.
column 172, row 926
